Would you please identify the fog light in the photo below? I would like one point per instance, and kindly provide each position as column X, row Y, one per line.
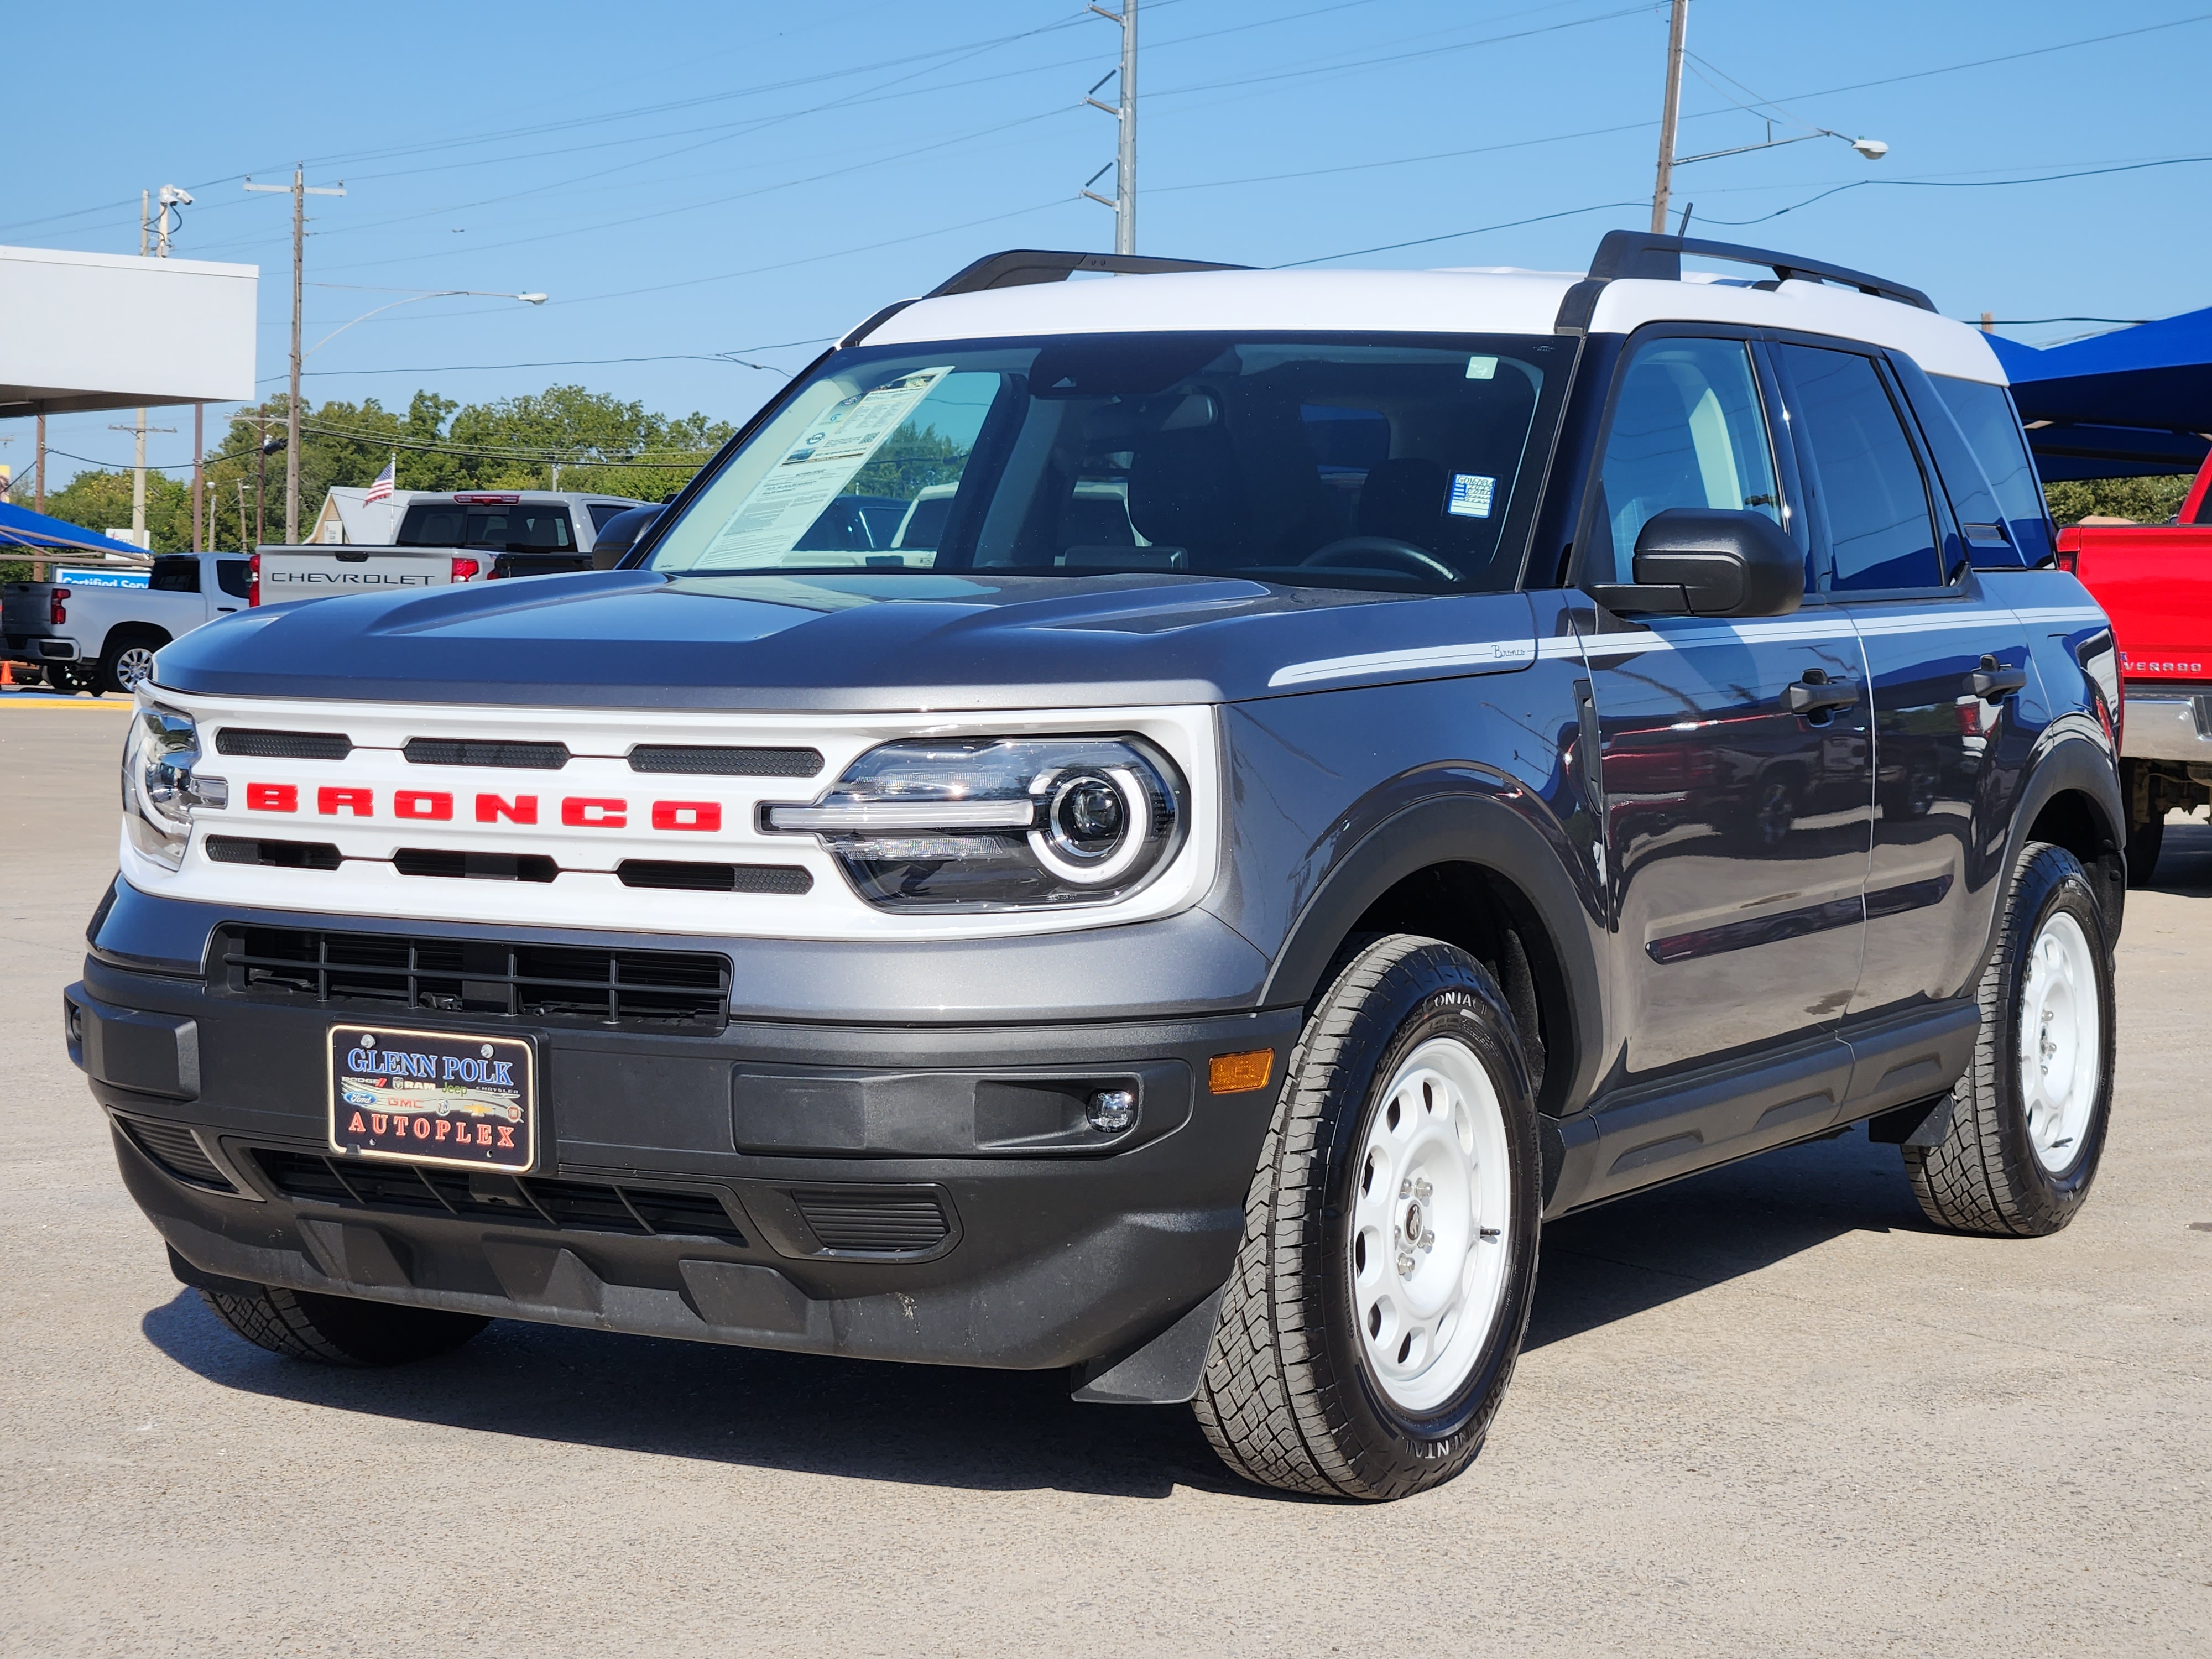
column 1113, row 1111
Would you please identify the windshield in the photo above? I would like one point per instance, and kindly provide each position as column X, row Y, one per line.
column 1313, row 461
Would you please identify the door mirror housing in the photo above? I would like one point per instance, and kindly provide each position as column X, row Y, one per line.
column 1709, row 562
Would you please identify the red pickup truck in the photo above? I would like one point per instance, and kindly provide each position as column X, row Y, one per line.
column 2163, row 627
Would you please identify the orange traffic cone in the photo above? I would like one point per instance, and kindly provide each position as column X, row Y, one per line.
column 7, row 674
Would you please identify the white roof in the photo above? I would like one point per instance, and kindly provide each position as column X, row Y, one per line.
column 1428, row 303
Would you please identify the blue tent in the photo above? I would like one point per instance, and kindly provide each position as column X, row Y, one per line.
column 2133, row 401
column 21, row 527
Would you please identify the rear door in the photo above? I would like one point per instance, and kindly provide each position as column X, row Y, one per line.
column 1736, row 831
column 1892, row 557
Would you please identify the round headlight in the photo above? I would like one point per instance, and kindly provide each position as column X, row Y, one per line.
column 1095, row 822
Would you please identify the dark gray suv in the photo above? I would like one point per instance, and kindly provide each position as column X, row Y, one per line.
column 1323, row 771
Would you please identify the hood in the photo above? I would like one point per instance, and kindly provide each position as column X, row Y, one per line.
column 835, row 641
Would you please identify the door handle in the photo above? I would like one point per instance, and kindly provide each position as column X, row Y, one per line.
column 1816, row 691
column 1990, row 683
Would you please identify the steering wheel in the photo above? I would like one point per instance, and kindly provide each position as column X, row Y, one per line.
column 1381, row 550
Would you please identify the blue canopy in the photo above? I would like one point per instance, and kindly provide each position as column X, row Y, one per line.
column 2133, row 401
column 21, row 527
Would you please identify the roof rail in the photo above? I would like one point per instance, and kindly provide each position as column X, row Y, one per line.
column 1654, row 257
column 1019, row 267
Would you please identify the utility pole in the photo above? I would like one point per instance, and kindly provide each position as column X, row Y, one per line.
column 1678, row 32
column 301, row 190
column 242, row 547
column 1123, row 110
column 40, row 467
column 199, row 475
column 138, row 430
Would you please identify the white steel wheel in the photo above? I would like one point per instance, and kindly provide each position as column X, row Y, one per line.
column 1431, row 1213
column 2059, row 1047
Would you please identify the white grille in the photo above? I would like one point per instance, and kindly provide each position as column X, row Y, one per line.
column 594, row 813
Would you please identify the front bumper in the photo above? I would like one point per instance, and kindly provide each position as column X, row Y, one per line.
column 925, row 1194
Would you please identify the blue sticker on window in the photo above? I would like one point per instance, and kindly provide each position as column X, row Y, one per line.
column 1471, row 492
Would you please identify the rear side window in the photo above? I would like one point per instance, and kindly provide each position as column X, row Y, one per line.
column 175, row 576
column 1687, row 430
column 601, row 512
column 1985, row 414
column 230, row 575
column 1866, row 476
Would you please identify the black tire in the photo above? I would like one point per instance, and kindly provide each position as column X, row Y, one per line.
column 1289, row 1398
column 70, row 678
column 128, row 660
column 1983, row 1176
column 341, row 1330
column 2144, row 841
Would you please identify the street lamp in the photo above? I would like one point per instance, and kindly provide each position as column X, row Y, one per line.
column 442, row 293
column 1873, row 149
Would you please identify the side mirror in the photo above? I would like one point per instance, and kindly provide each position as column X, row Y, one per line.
column 1709, row 562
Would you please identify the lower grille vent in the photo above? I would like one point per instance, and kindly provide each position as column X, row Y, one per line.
column 876, row 1220
column 474, row 867
column 659, row 990
column 280, row 855
column 788, row 879
column 585, row 1206
column 176, row 1150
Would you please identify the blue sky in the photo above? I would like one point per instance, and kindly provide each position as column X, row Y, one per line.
column 706, row 187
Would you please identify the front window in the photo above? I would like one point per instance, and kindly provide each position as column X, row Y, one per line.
column 1316, row 462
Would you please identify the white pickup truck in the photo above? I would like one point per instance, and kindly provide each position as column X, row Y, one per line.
column 471, row 536
column 96, row 638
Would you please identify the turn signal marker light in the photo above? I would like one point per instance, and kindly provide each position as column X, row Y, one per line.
column 1237, row 1074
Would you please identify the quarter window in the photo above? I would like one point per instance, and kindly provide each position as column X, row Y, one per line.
column 1687, row 430
column 1867, row 478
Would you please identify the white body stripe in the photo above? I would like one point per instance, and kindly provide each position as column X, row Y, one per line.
column 1478, row 654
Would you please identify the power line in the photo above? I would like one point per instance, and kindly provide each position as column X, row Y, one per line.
column 595, row 362
column 1455, row 235
column 1967, row 184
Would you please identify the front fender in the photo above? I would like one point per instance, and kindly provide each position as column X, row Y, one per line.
column 1460, row 815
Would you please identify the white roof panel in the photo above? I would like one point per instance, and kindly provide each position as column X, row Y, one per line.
column 1427, row 302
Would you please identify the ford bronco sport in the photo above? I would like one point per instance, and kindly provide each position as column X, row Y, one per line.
column 1364, row 764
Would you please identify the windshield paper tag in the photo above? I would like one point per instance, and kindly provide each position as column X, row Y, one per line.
column 1481, row 368
column 784, row 505
column 1470, row 494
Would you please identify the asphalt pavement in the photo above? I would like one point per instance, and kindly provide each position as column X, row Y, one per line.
column 1765, row 1411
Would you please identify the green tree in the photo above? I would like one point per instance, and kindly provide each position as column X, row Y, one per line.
column 101, row 501
column 909, row 461
column 2146, row 500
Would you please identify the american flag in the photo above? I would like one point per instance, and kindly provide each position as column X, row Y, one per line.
column 381, row 490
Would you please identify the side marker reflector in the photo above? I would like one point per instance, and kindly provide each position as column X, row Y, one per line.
column 1237, row 1074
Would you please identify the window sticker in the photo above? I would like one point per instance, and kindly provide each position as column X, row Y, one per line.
column 1481, row 368
column 816, row 470
column 1470, row 494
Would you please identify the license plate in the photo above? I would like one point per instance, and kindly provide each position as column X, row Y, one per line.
column 469, row 1102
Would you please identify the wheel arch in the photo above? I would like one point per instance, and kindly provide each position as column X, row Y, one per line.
column 2071, row 798
column 1475, row 872
column 124, row 633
